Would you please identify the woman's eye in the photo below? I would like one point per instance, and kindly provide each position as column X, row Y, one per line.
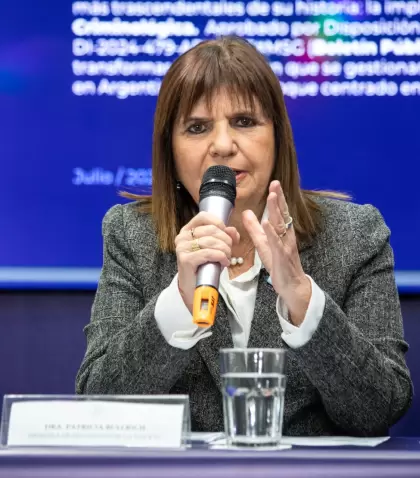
column 244, row 121
column 196, row 128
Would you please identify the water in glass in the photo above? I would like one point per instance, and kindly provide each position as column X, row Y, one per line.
column 253, row 407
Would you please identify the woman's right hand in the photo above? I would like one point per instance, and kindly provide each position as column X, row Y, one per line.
column 215, row 241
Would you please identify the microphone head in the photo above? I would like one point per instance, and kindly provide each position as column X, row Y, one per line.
column 219, row 181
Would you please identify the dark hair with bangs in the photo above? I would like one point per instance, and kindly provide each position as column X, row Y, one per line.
column 234, row 65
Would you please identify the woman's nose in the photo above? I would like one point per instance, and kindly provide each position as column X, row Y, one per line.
column 223, row 143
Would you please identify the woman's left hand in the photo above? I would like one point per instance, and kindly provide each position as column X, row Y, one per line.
column 280, row 255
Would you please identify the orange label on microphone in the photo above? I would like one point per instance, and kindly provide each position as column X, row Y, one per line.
column 205, row 305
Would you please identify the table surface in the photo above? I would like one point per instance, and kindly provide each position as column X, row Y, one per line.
column 396, row 458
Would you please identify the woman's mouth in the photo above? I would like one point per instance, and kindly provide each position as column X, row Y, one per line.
column 239, row 175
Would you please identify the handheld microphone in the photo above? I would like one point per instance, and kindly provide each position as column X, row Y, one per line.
column 217, row 196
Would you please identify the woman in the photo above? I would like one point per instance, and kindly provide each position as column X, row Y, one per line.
column 301, row 270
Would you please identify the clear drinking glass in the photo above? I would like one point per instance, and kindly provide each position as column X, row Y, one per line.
column 253, row 387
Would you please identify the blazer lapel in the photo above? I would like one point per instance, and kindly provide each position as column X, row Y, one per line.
column 307, row 260
column 265, row 327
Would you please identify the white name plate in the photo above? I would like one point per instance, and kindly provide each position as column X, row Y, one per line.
column 95, row 423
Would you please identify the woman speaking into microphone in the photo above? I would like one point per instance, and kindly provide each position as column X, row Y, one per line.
column 305, row 270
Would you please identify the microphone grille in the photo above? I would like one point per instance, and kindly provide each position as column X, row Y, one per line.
column 219, row 181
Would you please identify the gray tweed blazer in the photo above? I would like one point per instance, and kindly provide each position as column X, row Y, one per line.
column 349, row 379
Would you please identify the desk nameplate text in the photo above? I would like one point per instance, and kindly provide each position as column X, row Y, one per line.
column 95, row 423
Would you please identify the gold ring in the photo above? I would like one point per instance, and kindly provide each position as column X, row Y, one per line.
column 192, row 233
column 195, row 246
column 289, row 223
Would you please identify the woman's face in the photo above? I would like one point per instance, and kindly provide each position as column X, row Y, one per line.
column 227, row 134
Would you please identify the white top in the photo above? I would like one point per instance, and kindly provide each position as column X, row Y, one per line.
column 175, row 320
